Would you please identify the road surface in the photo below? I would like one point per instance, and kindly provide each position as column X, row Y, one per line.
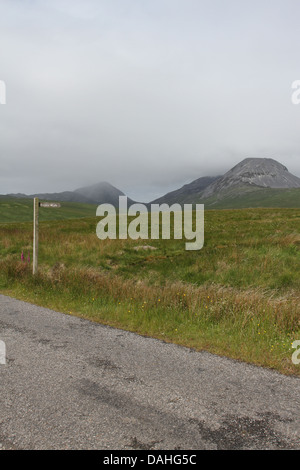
column 69, row 383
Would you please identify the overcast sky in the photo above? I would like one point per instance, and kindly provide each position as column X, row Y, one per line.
column 145, row 94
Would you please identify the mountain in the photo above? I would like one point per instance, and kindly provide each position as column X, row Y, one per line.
column 187, row 192
column 254, row 182
column 99, row 193
column 261, row 172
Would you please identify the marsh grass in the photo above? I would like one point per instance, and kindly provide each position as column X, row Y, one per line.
column 238, row 296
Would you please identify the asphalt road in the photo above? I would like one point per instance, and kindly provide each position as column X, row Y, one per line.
column 69, row 383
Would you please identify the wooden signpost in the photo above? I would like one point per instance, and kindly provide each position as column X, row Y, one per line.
column 36, row 205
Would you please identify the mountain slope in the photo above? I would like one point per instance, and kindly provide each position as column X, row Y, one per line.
column 187, row 192
column 253, row 198
column 101, row 193
column 254, row 182
column 262, row 172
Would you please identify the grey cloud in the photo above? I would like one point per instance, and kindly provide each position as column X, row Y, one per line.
column 147, row 95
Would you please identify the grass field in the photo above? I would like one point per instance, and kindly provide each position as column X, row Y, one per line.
column 259, row 197
column 241, row 197
column 21, row 210
column 239, row 296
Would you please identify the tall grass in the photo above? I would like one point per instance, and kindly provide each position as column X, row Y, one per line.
column 239, row 296
column 249, row 325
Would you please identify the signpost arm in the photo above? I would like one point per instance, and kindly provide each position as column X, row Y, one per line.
column 35, row 234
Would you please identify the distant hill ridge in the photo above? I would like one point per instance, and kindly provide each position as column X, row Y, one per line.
column 98, row 193
column 255, row 181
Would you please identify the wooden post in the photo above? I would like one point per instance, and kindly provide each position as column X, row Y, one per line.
column 35, row 234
